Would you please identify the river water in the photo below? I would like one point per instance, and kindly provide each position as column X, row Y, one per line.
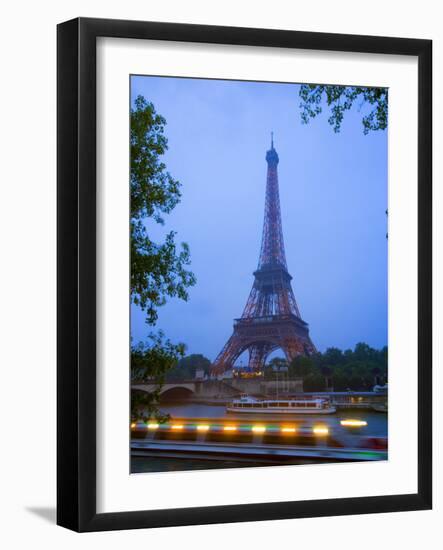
column 377, row 426
column 377, row 423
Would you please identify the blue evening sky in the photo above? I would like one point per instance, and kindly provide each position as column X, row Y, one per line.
column 333, row 193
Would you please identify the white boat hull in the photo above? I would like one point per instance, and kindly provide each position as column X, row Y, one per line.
column 276, row 410
column 380, row 408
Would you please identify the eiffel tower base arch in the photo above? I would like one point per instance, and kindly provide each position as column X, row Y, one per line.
column 263, row 336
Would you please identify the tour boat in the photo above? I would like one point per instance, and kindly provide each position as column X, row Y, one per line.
column 248, row 404
column 380, row 407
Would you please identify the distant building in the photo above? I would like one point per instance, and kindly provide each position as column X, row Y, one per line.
column 200, row 374
column 280, row 368
column 226, row 375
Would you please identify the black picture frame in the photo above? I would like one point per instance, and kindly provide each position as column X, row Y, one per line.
column 76, row 265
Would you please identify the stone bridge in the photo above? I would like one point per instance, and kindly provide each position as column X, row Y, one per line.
column 222, row 389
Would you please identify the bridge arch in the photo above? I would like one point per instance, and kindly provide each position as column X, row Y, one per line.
column 176, row 393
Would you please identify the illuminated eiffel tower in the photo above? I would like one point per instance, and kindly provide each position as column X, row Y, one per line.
column 271, row 318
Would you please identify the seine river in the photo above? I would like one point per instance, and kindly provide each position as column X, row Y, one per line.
column 377, row 422
column 377, row 426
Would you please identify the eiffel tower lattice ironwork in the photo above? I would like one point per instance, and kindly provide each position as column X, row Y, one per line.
column 271, row 318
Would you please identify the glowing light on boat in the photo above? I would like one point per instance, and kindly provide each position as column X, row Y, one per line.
column 202, row 428
column 152, row 426
column 133, row 425
column 320, row 430
column 258, row 429
column 288, row 430
column 177, row 427
column 230, row 428
column 353, row 423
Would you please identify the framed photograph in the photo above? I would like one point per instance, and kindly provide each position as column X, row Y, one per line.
column 244, row 274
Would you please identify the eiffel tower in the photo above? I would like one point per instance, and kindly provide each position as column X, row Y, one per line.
column 271, row 318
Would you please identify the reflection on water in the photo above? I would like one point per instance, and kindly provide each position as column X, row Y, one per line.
column 146, row 464
column 141, row 464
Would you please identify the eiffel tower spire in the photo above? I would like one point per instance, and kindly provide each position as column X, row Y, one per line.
column 271, row 293
column 272, row 248
column 271, row 318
